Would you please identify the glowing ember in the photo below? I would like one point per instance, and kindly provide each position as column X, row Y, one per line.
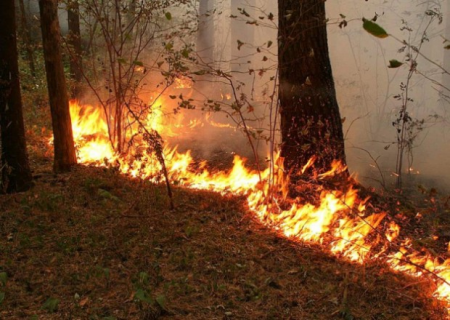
column 339, row 222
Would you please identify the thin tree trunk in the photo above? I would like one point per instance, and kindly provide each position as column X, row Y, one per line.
column 205, row 34
column 311, row 125
column 16, row 174
column 74, row 40
column 65, row 156
column 130, row 18
column 26, row 38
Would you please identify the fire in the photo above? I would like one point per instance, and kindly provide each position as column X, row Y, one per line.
column 181, row 82
column 225, row 96
column 216, row 124
column 90, row 134
column 339, row 221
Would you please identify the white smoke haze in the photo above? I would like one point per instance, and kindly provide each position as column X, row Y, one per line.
column 365, row 85
column 366, row 88
column 245, row 47
column 247, row 69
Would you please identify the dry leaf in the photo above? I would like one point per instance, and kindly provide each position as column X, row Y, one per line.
column 83, row 302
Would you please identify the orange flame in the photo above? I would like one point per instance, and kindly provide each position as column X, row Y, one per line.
column 181, row 82
column 339, row 222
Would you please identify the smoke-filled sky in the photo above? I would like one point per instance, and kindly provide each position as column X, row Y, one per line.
column 366, row 87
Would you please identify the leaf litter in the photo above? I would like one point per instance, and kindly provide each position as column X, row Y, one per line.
column 93, row 244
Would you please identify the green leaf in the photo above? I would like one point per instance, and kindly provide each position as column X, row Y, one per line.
column 107, row 195
column 269, row 44
column 2, row 297
column 161, row 300
column 3, row 278
column 143, row 296
column 168, row 16
column 169, row 46
column 138, row 63
column 51, row 305
column 109, row 318
column 185, row 53
column 374, row 29
column 143, row 278
column 394, row 63
column 121, row 60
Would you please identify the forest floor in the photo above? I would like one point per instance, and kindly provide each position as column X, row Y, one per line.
column 94, row 244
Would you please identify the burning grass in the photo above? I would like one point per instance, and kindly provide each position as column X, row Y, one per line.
column 105, row 245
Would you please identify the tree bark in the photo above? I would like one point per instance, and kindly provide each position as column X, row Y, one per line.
column 74, row 41
column 26, row 38
column 16, row 174
column 65, row 155
column 311, row 125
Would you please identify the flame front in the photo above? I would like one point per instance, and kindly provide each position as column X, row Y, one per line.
column 339, row 222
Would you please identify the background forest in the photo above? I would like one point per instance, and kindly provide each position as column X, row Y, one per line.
column 368, row 91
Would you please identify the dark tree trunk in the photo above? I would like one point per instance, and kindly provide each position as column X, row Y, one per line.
column 311, row 125
column 65, row 155
column 74, row 41
column 26, row 38
column 16, row 174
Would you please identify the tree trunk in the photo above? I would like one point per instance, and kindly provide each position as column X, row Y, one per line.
column 205, row 34
column 16, row 174
column 74, row 40
column 65, row 155
column 311, row 125
column 131, row 18
column 26, row 38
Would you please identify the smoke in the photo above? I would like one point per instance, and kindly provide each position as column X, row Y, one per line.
column 367, row 90
column 244, row 63
column 244, row 48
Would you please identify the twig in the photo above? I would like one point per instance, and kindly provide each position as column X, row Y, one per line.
column 155, row 138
